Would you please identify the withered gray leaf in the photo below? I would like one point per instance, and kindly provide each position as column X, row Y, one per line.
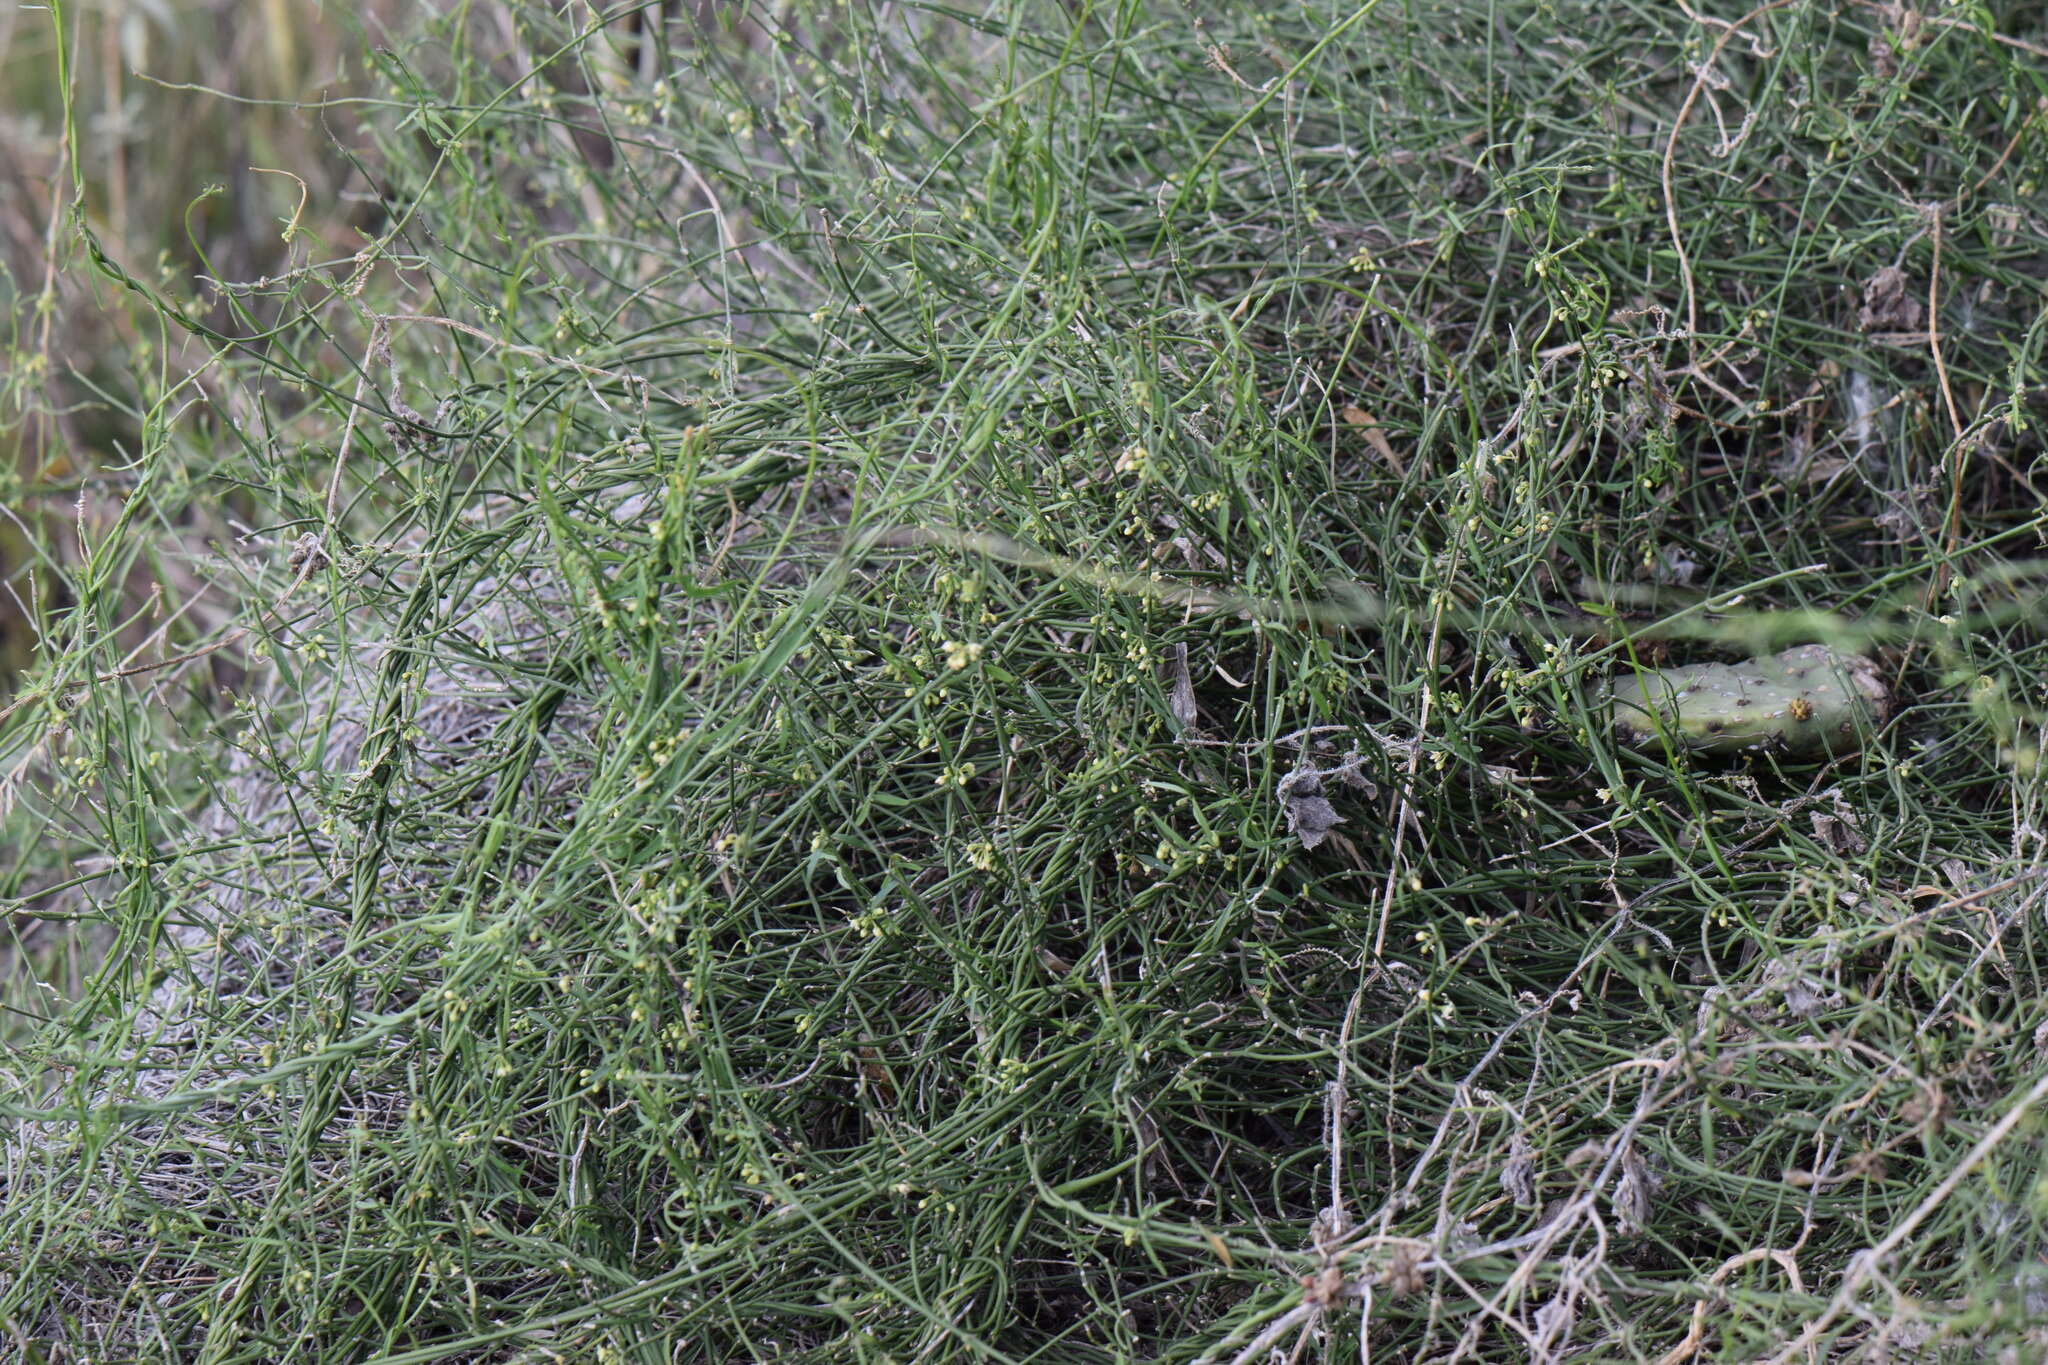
column 1350, row 775
column 1634, row 1193
column 1886, row 304
column 1673, row 568
column 1310, row 816
column 1518, row 1176
column 1839, row 831
column 1182, row 698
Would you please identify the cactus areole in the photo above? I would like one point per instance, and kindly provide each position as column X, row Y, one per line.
column 1807, row 700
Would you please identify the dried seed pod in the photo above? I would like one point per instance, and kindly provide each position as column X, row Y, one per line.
column 1810, row 699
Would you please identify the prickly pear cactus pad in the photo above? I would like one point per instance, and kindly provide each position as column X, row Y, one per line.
column 1810, row 699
